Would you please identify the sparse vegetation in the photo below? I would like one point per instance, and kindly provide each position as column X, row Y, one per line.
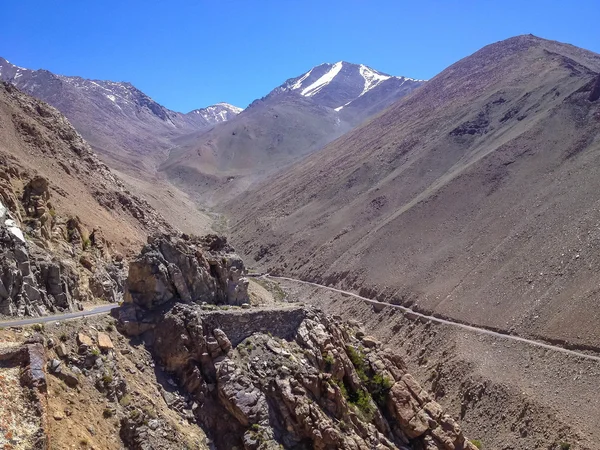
column 125, row 400
column 107, row 378
column 273, row 287
column 477, row 443
column 107, row 413
column 86, row 243
column 329, row 361
column 563, row 446
column 63, row 337
column 110, row 328
column 379, row 386
column 39, row 327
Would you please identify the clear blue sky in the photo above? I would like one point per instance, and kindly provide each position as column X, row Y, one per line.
column 192, row 53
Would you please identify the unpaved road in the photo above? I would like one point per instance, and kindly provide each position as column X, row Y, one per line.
column 104, row 309
column 413, row 314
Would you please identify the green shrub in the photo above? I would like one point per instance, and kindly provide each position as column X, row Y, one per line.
column 110, row 328
column 63, row 337
column 379, row 386
column 87, row 243
column 107, row 413
column 107, row 378
column 565, row 446
column 476, row 443
column 329, row 361
column 362, row 400
column 39, row 327
column 358, row 361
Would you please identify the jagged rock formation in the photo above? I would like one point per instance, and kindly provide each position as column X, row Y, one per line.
column 23, row 389
column 266, row 378
column 58, row 266
column 303, row 381
column 187, row 269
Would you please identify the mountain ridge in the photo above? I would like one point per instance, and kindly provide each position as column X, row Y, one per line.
column 439, row 181
column 280, row 128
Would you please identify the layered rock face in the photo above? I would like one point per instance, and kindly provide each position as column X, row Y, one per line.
column 59, row 265
column 311, row 381
column 270, row 377
column 186, row 269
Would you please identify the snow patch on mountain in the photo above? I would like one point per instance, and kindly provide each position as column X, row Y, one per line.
column 372, row 78
column 298, row 84
column 325, row 79
column 220, row 112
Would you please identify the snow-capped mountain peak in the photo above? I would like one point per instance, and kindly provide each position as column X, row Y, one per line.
column 322, row 81
column 219, row 112
column 339, row 84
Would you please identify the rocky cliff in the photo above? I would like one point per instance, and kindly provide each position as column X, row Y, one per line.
column 273, row 377
column 65, row 219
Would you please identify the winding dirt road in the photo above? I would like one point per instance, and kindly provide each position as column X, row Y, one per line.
column 414, row 314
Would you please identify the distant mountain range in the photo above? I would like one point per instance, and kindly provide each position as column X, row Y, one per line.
column 120, row 121
column 296, row 118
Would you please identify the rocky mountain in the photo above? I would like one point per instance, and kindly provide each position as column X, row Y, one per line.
column 221, row 112
column 270, row 377
column 127, row 128
column 473, row 198
column 297, row 118
column 65, row 219
column 354, row 90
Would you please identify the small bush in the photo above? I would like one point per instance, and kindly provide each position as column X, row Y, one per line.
column 379, row 386
column 565, row 446
column 362, row 400
column 63, row 337
column 329, row 361
column 358, row 361
column 134, row 414
column 110, row 328
column 95, row 352
column 107, row 413
column 39, row 327
column 52, row 212
column 107, row 378
column 476, row 443
column 83, row 442
column 87, row 243
column 125, row 400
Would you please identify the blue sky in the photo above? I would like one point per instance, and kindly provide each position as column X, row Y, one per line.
column 192, row 53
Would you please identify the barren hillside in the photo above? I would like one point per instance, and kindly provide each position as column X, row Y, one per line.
column 475, row 197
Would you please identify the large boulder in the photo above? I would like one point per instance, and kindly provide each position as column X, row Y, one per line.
column 186, row 269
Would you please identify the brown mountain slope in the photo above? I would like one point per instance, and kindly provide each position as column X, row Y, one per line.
column 268, row 136
column 36, row 140
column 476, row 197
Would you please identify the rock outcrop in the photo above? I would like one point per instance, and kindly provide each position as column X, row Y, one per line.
column 48, row 263
column 186, row 269
column 307, row 382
